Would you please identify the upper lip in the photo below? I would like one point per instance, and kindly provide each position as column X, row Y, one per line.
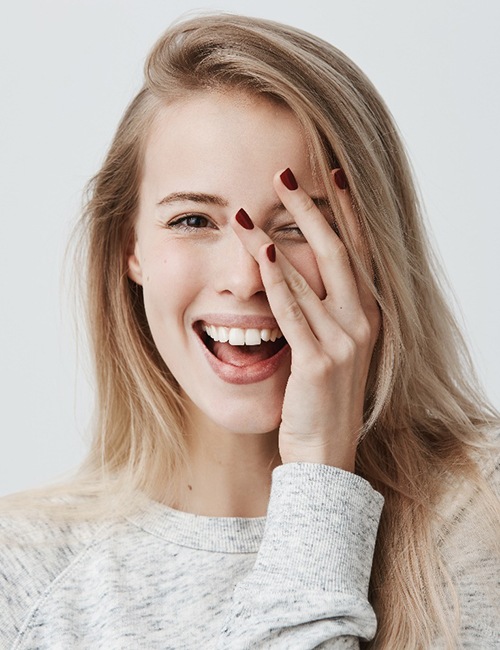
column 238, row 320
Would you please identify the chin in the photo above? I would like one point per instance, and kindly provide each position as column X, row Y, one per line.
column 244, row 416
column 249, row 422
column 250, row 426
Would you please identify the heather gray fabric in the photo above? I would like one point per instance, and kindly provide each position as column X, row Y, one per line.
column 168, row 579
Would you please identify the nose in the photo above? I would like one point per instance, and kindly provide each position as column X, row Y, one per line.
column 237, row 272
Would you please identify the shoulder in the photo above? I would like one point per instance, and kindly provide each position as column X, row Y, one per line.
column 35, row 548
column 469, row 523
column 463, row 492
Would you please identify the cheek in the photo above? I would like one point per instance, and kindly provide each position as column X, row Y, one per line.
column 304, row 261
column 172, row 277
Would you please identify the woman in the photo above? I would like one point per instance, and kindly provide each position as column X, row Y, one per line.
column 278, row 377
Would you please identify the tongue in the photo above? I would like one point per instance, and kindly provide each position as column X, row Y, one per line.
column 244, row 355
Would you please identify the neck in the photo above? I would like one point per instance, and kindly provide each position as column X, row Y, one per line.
column 228, row 474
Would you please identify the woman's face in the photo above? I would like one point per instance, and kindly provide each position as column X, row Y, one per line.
column 207, row 157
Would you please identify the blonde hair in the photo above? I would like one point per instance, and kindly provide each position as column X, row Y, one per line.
column 426, row 421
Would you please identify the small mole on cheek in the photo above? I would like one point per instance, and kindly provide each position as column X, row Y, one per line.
column 190, row 487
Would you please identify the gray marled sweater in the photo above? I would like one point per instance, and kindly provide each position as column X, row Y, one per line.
column 168, row 579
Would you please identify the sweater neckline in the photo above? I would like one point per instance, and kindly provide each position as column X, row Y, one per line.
column 201, row 532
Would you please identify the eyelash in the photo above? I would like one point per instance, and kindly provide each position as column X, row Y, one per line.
column 181, row 222
column 294, row 231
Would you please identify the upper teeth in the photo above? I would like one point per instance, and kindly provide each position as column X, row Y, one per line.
column 239, row 336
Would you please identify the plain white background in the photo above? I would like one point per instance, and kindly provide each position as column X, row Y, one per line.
column 69, row 67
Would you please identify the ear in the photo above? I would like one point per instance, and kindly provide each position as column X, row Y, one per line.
column 134, row 268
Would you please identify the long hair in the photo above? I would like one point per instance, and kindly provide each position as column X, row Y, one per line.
column 426, row 421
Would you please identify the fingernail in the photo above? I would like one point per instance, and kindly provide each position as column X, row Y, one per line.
column 243, row 219
column 288, row 179
column 340, row 179
column 271, row 253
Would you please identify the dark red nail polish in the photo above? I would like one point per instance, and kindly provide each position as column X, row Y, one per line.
column 340, row 179
column 243, row 219
column 271, row 252
column 288, row 179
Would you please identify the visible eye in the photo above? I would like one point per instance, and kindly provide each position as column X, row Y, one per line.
column 290, row 232
column 190, row 222
column 293, row 233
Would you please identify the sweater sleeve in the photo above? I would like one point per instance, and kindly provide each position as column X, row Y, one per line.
column 309, row 585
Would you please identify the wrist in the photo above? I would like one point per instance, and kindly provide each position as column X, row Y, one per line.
column 342, row 459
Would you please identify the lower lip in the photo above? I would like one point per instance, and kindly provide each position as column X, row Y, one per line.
column 245, row 374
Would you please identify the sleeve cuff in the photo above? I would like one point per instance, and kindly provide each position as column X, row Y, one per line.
column 320, row 530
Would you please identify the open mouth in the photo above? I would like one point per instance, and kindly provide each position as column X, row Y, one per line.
column 239, row 347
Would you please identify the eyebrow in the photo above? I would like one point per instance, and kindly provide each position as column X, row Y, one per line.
column 214, row 199
column 194, row 197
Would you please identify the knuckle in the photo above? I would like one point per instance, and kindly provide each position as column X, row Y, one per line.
column 343, row 352
column 321, row 367
column 346, row 351
column 340, row 251
column 298, row 285
column 277, row 282
column 363, row 332
column 307, row 204
column 293, row 311
column 334, row 249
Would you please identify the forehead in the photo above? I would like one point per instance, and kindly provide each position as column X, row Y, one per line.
column 205, row 107
column 208, row 132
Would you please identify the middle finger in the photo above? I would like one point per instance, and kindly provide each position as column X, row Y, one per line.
column 330, row 253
